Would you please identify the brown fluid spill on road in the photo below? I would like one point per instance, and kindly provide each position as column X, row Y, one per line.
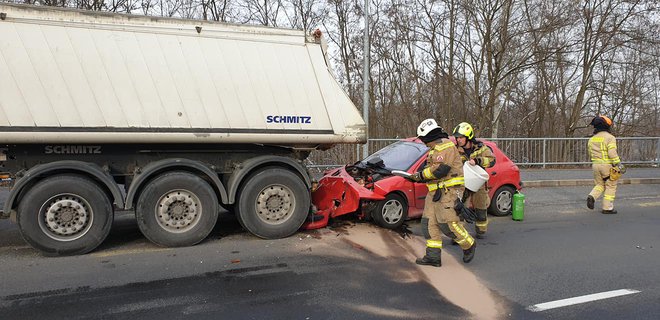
column 454, row 281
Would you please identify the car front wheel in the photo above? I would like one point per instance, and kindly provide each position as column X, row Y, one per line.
column 390, row 213
column 501, row 203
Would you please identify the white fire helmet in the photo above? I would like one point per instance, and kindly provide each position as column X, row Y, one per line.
column 426, row 126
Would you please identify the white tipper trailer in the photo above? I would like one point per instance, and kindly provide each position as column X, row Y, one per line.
column 167, row 118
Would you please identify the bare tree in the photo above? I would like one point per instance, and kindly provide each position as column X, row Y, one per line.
column 343, row 26
column 214, row 10
column 603, row 24
column 263, row 12
column 304, row 14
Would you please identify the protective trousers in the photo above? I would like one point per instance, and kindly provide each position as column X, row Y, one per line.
column 603, row 185
column 480, row 201
column 442, row 218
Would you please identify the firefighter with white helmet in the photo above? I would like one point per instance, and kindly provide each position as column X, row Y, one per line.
column 443, row 175
column 606, row 164
column 476, row 153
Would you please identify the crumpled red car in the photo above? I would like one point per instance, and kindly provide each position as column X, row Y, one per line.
column 369, row 190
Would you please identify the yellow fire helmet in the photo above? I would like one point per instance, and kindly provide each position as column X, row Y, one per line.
column 464, row 129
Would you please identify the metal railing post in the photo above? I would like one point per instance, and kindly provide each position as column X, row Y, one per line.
column 657, row 153
column 544, row 144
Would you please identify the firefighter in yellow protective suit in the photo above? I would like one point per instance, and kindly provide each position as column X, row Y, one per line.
column 476, row 153
column 443, row 175
column 607, row 166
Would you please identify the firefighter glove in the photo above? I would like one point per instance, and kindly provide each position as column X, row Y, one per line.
column 416, row 177
column 466, row 214
column 621, row 168
column 437, row 195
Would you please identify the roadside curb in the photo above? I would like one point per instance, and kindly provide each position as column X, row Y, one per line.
column 584, row 182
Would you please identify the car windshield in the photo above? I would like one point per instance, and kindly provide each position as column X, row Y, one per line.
column 399, row 155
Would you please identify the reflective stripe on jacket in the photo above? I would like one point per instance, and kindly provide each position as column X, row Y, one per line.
column 444, row 153
column 427, row 173
column 446, row 184
column 602, row 148
column 481, row 153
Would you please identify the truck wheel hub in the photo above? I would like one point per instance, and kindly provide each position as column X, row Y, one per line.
column 178, row 211
column 66, row 217
column 275, row 204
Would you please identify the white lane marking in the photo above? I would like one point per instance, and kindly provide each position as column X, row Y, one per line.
column 580, row 299
column 649, row 204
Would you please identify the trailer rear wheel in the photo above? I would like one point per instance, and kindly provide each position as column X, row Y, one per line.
column 273, row 203
column 177, row 209
column 65, row 215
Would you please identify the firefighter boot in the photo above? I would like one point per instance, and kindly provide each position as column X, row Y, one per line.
column 481, row 225
column 590, row 202
column 468, row 254
column 432, row 258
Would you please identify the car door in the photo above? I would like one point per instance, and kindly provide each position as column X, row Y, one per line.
column 420, row 189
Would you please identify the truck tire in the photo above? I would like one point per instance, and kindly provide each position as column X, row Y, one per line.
column 502, row 201
column 177, row 209
column 65, row 215
column 273, row 203
column 390, row 213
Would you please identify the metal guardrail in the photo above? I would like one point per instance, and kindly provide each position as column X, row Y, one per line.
column 526, row 152
column 573, row 151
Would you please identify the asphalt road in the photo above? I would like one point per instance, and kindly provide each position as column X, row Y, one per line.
column 560, row 250
column 563, row 250
column 311, row 275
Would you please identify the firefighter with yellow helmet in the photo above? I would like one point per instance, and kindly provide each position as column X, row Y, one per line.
column 476, row 153
column 606, row 164
column 443, row 175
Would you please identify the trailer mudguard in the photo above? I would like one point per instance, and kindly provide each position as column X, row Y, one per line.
column 154, row 168
column 249, row 165
column 65, row 166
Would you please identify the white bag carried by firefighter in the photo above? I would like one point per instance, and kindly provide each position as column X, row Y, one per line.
column 475, row 176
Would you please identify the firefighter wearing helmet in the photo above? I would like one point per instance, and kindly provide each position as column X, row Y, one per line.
column 443, row 175
column 475, row 153
column 606, row 164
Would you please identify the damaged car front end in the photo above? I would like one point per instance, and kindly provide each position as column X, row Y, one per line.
column 368, row 188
